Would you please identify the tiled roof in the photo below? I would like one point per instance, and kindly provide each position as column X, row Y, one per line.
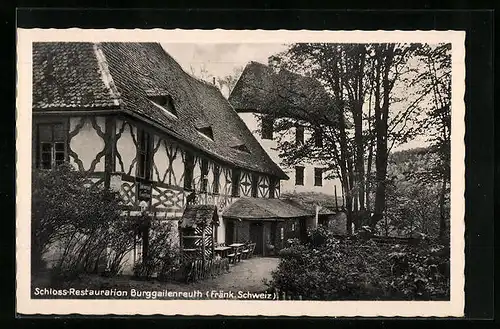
column 283, row 93
column 67, row 75
column 132, row 71
column 309, row 200
column 199, row 215
column 261, row 209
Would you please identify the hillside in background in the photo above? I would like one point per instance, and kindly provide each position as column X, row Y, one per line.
column 412, row 197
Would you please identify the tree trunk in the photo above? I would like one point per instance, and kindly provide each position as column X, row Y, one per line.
column 381, row 118
column 346, row 173
column 370, row 157
column 345, row 163
column 360, row 164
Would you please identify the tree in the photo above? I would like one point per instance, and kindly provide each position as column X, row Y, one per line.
column 437, row 77
column 412, row 203
column 390, row 63
column 357, row 76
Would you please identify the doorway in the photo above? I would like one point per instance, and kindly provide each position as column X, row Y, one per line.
column 257, row 236
column 229, row 232
column 302, row 230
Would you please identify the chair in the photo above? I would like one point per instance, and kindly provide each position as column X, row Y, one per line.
column 251, row 249
column 245, row 251
column 238, row 254
column 232, row 257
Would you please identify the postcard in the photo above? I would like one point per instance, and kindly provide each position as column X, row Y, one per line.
column 240, row 173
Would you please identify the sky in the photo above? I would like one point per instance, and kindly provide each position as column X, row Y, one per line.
column 222, row 59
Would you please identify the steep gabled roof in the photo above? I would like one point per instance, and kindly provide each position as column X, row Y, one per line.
column 309, row 200
column 284, row 93
column 199, row 215
column 125, row 76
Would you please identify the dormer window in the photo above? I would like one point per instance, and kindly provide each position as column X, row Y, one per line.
column 241, row 148
column 165, row 102
column 207, row 132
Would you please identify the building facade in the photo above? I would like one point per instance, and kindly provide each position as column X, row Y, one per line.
column 260, row 96
column 128, row 116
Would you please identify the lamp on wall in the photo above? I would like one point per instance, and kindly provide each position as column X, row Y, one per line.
column 144, row 206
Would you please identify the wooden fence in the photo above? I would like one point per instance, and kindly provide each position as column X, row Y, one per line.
column 198, row 270
column 383, row 239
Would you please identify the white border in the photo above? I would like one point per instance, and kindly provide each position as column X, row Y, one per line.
column 26, row 305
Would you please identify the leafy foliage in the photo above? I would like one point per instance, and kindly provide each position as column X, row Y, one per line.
column 76, row 223
column 163, row 256
column 413, row 203
column 326, row 268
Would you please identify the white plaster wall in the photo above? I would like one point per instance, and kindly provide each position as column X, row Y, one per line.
column 177, row 176
column 267, row 144
column 210, row 177
column 288, row 186
column 221, row 230
column 126, row 148
column 328, row 184
column 160, row 160
column 197, row 174
column 87, row 143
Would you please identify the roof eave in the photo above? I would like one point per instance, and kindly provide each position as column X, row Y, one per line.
column 117, row 109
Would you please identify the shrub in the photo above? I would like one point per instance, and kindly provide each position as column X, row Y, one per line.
column 326, row 268
column 163, row 255
column 77, row 220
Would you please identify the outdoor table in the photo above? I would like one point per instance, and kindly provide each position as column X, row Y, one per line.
column 222, row 251
column 235, row 247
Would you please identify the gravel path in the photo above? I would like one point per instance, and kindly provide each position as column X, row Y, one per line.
column 247, row 275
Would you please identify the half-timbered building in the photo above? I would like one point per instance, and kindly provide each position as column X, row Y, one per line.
column 129, row 116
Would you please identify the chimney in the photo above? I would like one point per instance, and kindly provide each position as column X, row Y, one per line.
column 213, row 80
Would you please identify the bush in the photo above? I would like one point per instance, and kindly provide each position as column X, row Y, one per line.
column 326, row 268
column 78, row 223
column 163, row 256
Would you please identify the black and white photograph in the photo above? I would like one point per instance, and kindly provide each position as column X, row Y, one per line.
column 275, row 169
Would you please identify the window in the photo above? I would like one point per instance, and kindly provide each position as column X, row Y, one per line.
column 299, row 135
column 299, row 175
column 318, row 138
column 235, row 183
column 165, row 102
column 144, row 155
column 318, row 176
column 216, row 178
column 255, row 184
column 207, row 132
column 204, row 175
column 188, row 171
column 241, row 148
column 52, row 145
column 267, row 127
